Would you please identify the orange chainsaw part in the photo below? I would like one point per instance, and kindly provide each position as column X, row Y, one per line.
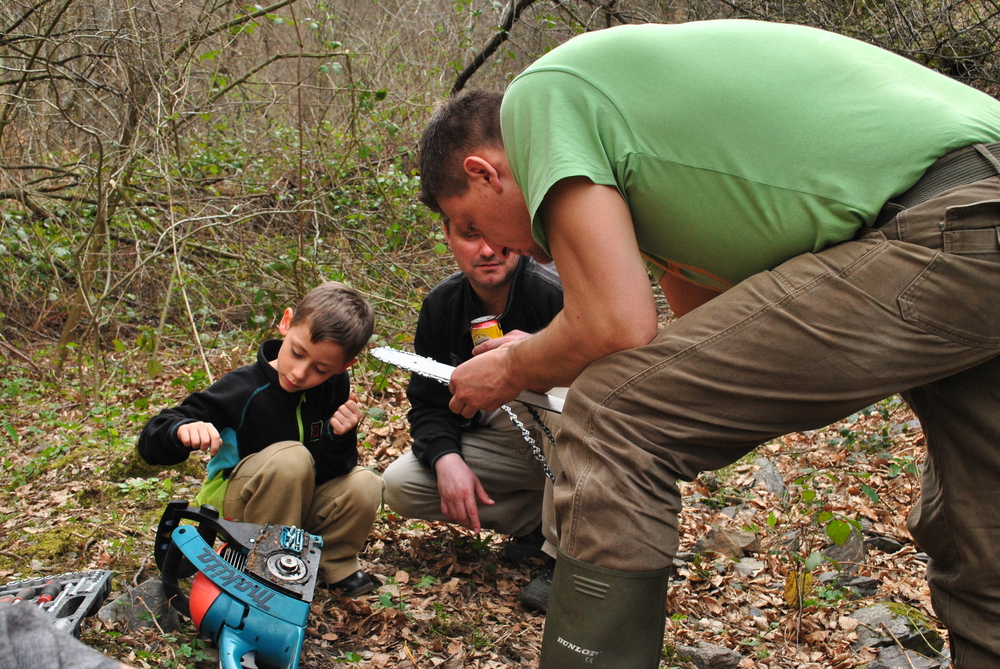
column 202, row 596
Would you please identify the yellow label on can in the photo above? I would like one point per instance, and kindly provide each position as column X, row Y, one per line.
column 484, row 329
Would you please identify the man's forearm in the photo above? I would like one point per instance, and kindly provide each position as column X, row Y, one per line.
column 558, row 354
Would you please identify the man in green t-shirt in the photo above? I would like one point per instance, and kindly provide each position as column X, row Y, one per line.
column 824, row 217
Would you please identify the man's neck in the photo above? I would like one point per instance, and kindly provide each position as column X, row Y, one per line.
column 494, row 299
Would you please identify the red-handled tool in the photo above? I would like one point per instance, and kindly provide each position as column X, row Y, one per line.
column 49, row 592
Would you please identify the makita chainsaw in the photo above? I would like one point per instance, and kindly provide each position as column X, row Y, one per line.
column 252, row 595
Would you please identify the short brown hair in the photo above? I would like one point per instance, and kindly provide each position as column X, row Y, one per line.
column 337, row 313
column 460, row 125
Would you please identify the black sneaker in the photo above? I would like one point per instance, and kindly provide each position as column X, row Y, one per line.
column 354, row 585
column 535, row 595
column 526, row 546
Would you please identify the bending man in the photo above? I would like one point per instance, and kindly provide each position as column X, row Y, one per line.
column 825, row 217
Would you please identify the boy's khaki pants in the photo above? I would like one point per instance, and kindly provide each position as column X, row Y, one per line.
column 278, row 486
column 912, row 308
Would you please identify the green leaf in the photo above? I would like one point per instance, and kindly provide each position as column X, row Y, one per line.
column 210, row 55
column 154, row 368
column 119, row 345
column 808, row 495
column 440, row 248
column 838, row 531
column 814, row 560
column 772, row 519
column 870, row 491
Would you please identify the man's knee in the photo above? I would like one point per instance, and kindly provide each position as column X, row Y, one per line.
column 401, row 487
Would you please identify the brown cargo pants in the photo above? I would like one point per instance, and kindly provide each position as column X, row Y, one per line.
column 912, row 307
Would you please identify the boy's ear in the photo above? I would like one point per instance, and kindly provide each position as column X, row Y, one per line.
column 286, row 321
column 347, row 365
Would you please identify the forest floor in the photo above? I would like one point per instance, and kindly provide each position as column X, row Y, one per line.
column 75, row 496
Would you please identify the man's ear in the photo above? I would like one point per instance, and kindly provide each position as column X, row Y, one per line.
column 286, row 321
column 482, row 171
column 346, row 366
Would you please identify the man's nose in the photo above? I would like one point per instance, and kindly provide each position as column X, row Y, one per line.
column 501, row 252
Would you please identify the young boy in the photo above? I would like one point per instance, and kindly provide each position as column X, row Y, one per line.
column 282, row 434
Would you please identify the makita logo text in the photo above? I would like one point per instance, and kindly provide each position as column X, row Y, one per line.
column 222, row 573
column 590, row 654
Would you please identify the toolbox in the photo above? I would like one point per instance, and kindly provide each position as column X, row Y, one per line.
column 68, row 598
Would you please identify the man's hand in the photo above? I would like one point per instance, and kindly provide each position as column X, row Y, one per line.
column 509, row 338
column 482, row 383
column 460, row 491
column 200, row 436
column 347, row 416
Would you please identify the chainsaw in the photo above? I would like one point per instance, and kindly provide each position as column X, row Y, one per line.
column 251, row 597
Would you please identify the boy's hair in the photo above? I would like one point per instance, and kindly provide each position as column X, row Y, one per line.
column 460, row 125
column 338, row 313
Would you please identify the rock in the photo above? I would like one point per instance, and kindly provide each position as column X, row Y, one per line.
column 894, row 657
column 133, row 608
column 709, row 656
column 710, row 480
column 884, row 544
column 749, row 567
column 732, row 511
column 850, row 553
column 728, row 543
column 884, row 625
column 863, row 586
column 769, row 475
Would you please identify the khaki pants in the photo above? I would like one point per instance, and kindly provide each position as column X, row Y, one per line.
column 911, row 308
column 278, row 486
column 498, row 454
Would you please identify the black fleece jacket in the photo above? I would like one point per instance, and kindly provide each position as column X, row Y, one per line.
column 251, row 411
column 443, row 334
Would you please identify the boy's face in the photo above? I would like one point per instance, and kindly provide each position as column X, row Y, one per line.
column 302, row 363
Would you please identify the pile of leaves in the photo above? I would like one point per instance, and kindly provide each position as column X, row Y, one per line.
column 77, row 497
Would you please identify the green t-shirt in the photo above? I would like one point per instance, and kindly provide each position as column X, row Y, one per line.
column 736, row 144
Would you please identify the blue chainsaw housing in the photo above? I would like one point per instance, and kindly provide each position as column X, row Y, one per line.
column 233, row 605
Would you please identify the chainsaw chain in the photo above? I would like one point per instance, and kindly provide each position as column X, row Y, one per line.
column 535, row 449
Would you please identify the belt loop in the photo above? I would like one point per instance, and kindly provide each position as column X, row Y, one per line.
column 981, row 148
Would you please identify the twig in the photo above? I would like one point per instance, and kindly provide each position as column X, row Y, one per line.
column 151, row 614
column 409, row 655
column 901, row 646
column 142, row 567
column 13, row 350
column 13, row 556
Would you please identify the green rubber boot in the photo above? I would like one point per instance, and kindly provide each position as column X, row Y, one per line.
column 600, row 617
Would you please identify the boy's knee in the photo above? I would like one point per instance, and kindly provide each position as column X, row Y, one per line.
column 289, row 461
column 366, row 488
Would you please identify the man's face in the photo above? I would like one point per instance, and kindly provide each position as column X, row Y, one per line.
column 302, row 363
column 500, row 219
column 484, row 268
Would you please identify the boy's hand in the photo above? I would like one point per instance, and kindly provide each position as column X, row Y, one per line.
column 347, row 416
column 200, row 436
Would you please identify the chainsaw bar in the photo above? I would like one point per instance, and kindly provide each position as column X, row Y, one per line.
column 439, row 371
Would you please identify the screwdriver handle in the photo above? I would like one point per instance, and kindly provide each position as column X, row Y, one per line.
column 49, row 592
